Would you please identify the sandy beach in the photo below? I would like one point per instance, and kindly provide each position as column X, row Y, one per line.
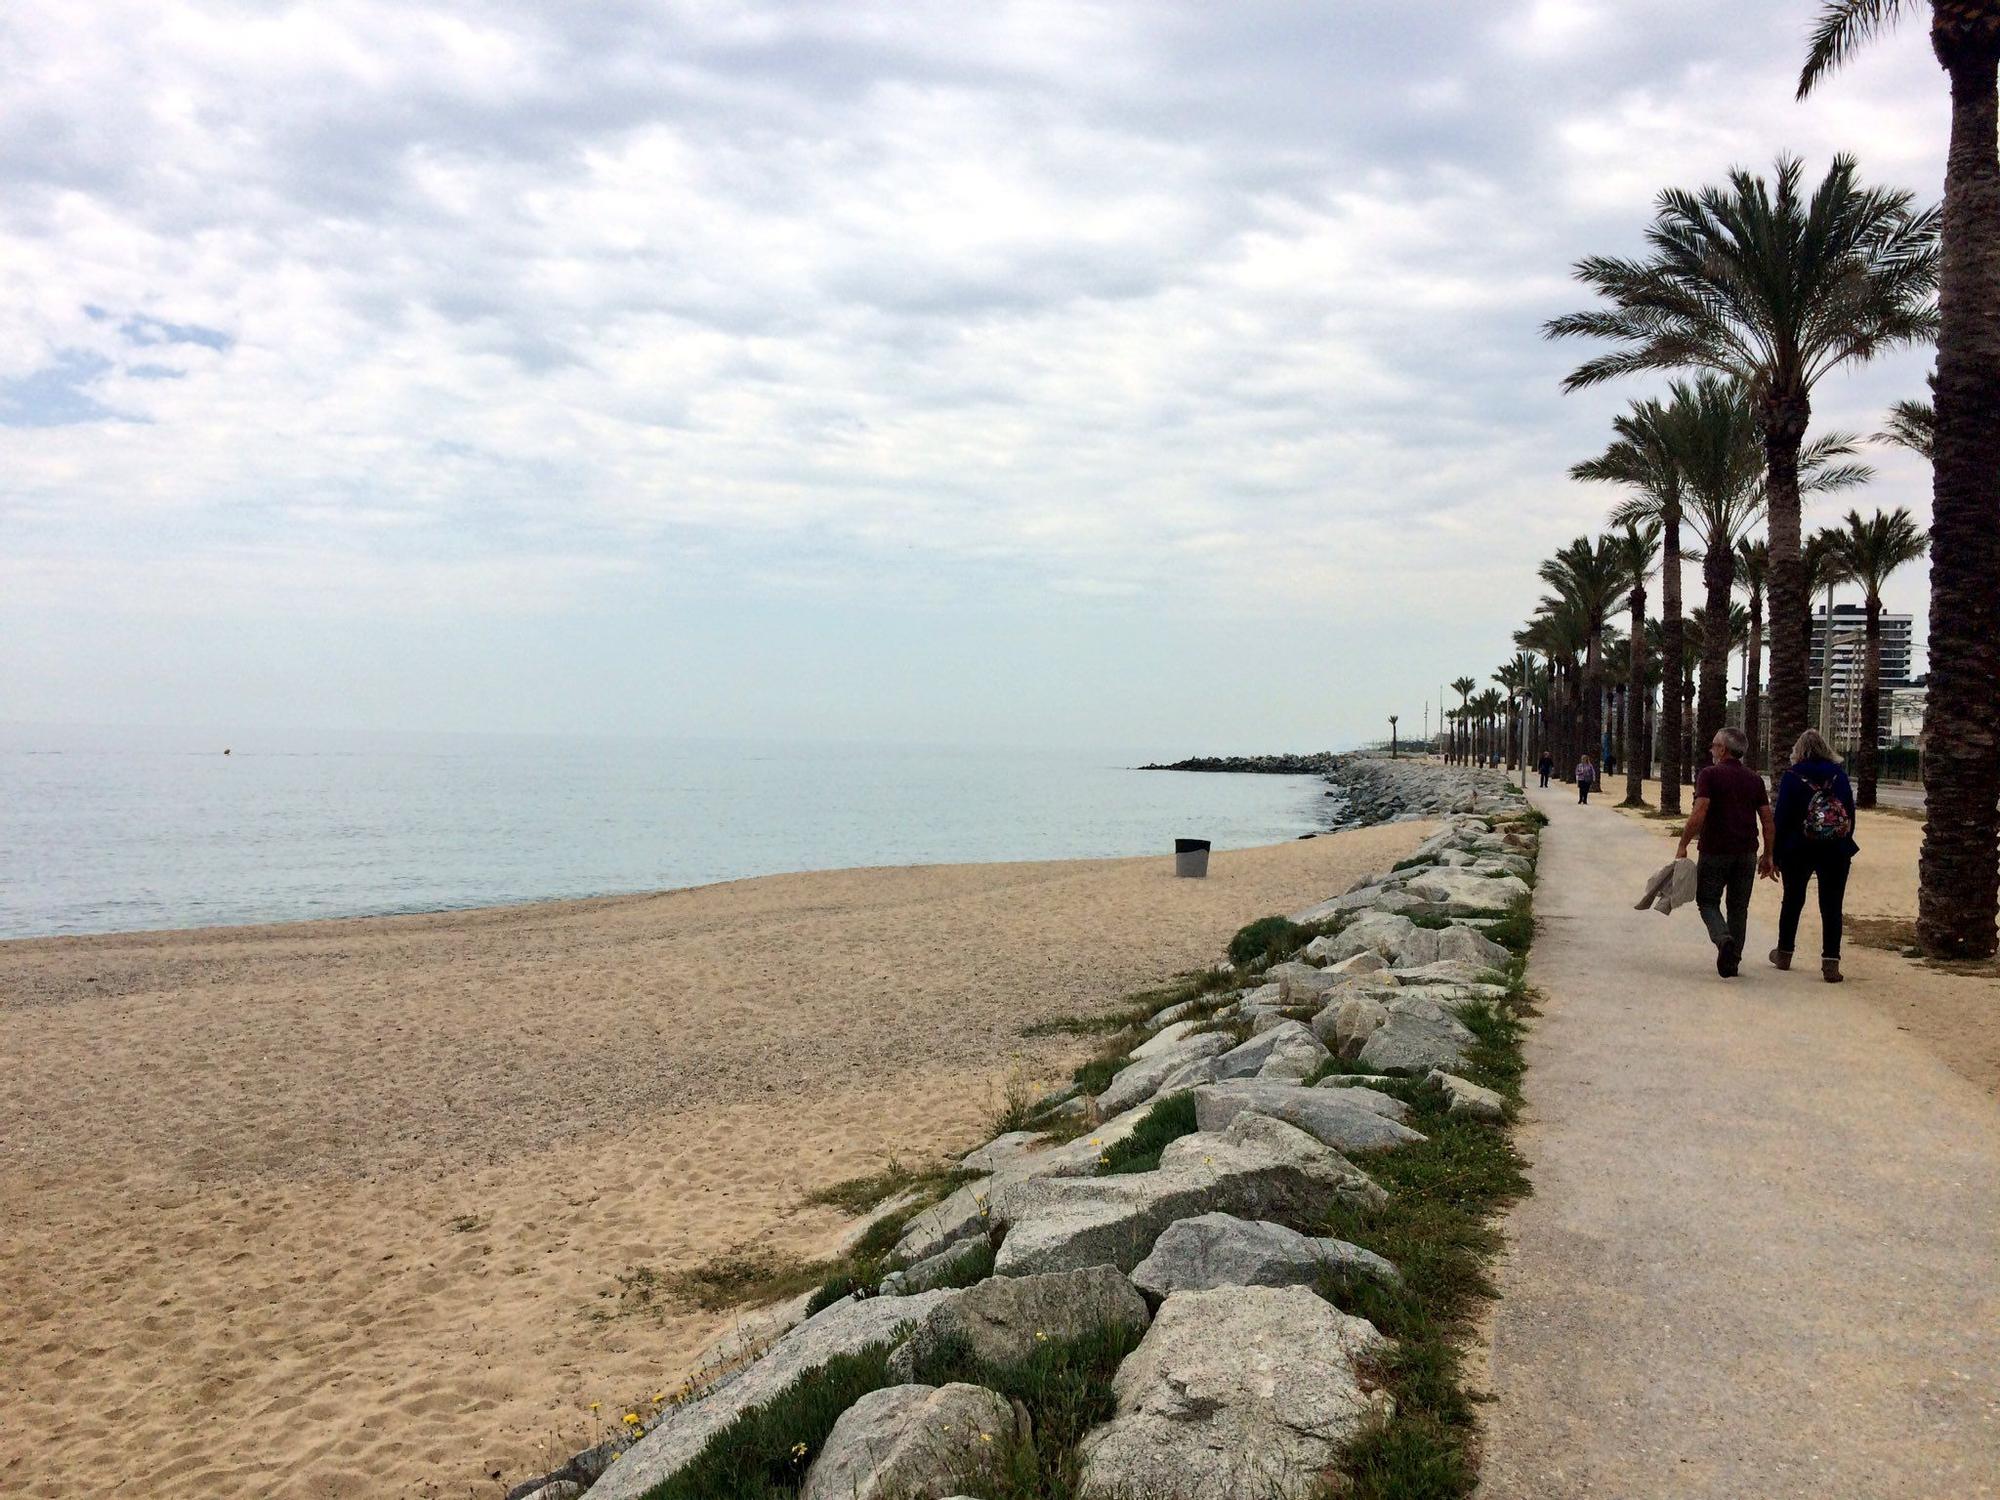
column 341, row 1209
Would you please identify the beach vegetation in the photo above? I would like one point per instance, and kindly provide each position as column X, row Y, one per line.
column 738, row 1278
column 1018, row 1106
column 1168, row 1120
column 1439, row 1228
column 1269, row 939
column 1515, row 930
column 856, row 1195
column 1065, row 1385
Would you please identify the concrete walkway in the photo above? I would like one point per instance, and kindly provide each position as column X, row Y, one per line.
column 1762, row 1258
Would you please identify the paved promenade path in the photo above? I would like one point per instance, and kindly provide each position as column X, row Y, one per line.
column 1762, row 1257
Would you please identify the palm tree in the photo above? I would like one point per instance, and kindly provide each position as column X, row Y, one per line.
column 1488, row 705
column 1646, row 457
column 1560, row 634
column 1463, row 686
column 1872, row 549
column 1637, row 547
column 1912, row 425
column 1775, row 288
column 1753, row 561
column 1515, row 675
column 1586, row 577
column 1959, row 882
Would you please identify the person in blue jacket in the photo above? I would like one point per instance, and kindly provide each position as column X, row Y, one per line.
column 1815, row 818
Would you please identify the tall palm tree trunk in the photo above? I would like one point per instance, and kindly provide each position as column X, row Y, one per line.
column 1865, row 758
column 1719, row 576
column 1592, row 728
column 1753, row 688
column 1672, row 766
column 1692, row 756
column 1958, row 882
column 1785, row 418
column 1636, row 758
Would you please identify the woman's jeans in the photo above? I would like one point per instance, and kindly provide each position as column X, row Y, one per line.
column 1582, row 790
column 1799, row 866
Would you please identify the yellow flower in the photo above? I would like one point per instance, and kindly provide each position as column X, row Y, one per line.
column 593, row 1406
column 985, row 1437
column 798, row 1450
column 631, row 1419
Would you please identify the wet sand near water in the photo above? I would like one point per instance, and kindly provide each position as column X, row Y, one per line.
column 341, row 1209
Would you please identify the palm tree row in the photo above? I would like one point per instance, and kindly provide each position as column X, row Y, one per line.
column 1558, row 678
column 1760, row 289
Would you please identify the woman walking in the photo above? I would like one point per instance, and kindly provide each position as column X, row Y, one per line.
column 1586, row 778
column 1548, row 767
column 1815, row 838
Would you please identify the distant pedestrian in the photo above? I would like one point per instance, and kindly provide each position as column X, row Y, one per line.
column 1815, row 838
column 1586, row 778
column 1730, row 806
column 1548, row 767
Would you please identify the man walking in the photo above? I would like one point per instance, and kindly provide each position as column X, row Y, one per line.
column 1730, row 806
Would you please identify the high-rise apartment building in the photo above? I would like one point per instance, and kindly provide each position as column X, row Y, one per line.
column 1849, row 626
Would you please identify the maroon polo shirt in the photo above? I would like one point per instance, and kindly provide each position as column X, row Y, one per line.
column 1734, row 793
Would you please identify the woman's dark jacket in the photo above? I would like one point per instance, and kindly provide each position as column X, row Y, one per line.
column 1795, row 790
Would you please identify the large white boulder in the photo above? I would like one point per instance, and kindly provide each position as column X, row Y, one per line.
column 1004, row 1319
column 1258, row 1168
column 1235, row 1392
column 1329, row 1116
column 1214, row 1250
column 906, row 1440
column 1288, row 1049
column 682, row 1432
column 1140, row 1080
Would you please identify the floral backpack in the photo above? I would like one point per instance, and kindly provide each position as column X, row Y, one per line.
column 1827, row 817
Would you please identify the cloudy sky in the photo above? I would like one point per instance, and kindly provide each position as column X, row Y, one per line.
column 1133, row 374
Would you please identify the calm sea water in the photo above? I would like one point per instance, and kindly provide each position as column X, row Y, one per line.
column 115, row 830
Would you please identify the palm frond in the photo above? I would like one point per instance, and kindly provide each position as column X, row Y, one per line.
column 1841, row 30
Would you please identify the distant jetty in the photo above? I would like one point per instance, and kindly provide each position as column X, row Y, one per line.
column 1319, row 763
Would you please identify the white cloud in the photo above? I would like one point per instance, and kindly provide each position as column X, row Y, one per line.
column 1038, row 303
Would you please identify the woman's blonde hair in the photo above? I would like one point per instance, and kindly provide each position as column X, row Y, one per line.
column 1813, row 746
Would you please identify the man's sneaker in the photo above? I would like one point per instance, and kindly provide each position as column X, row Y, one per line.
column 1726, row 963
column 1781, row 958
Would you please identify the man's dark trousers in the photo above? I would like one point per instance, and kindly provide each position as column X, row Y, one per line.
column 1720, row 875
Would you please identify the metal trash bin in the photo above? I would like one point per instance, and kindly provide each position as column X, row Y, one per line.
column 1191, row 858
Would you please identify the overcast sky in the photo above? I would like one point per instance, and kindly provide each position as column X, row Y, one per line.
column 1161, row 375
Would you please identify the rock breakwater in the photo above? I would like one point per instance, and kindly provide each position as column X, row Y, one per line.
column 1267, row 1097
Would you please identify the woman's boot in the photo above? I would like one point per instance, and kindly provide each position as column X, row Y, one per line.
column 1829, row 970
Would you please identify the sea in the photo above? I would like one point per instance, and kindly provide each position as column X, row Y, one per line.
column 125, row 829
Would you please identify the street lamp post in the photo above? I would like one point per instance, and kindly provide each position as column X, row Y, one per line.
column 1392, row 736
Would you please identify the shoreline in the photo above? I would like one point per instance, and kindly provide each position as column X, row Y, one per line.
column 516, row 904
column 499, row 910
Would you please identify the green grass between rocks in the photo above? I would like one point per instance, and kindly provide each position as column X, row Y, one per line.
column 1166, row 1121
column 1439, row 1227
column 1065, row 1386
